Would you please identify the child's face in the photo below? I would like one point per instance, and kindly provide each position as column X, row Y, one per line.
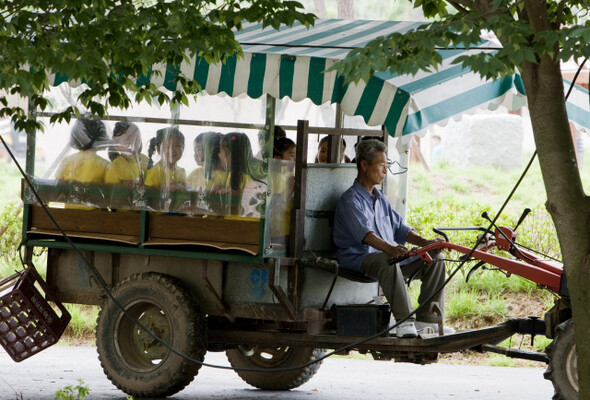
column 223, row 156
column 125, row 144
column 172, row 149
column 199, row 155
column 323, row 152
column 289, row 154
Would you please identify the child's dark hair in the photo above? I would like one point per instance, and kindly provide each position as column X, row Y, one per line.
column 243, row 163
column 238, row 146
column 281, row 144
column 156, row 142
column 119, row 129
column 325, row 139
column 210, row 142
column 279, row 132
column 86, row 132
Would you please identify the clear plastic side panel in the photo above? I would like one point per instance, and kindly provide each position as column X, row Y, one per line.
column 395, row 185
column 182, row 169
column 95, row 166
column 282, row 178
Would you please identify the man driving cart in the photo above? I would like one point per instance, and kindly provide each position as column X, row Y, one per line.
column 368, row 232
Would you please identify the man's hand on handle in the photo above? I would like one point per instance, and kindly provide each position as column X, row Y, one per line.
column 398, row 251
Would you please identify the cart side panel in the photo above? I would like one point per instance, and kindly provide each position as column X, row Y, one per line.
column 73, row 282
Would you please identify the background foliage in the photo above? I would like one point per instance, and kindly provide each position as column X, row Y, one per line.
column 112, row 45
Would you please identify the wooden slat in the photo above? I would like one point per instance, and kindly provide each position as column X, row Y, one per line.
column 90, row 221
column 248, row 248
column 86, row 235
column 120, row 227
column 198, row 229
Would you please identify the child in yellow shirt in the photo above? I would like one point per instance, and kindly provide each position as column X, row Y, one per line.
column 283, row 181
column 88, row 137
column 206, row 153
column 239, row 170
column 85, row 166
column 165, row 175
column 128, row 164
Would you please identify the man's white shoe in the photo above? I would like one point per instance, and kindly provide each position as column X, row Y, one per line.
column 429, row 327
column 406, row 330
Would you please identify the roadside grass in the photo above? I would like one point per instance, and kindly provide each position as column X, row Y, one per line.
column 10, row 179
column 453, row 197
column 465, row 304
column 80, row 330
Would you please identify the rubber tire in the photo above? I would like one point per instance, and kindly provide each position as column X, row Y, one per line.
column 563, row 365
column 275, row 357
column 128, row 355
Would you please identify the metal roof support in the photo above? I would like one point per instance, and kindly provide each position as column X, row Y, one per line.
column 404, row 160
column 335, row 142
column 267, row 152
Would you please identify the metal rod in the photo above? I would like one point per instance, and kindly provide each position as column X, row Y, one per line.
column 525, row 355
column 180, row 121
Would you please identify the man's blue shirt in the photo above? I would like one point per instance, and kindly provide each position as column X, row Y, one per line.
column 359, row 212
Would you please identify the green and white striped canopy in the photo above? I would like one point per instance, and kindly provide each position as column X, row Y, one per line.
column 292, row 62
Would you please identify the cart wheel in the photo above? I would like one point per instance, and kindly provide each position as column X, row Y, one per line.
column 133, row 360
column 275, row 357
column 563, row 365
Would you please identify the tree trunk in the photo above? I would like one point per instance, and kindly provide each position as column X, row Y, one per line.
column 346, row 9
column 320, row 9
column 566, row 201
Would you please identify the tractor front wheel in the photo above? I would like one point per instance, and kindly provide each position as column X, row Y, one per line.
column 563, row 365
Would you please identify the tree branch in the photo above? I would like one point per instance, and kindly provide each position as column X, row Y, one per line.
column 458, row 6
column 559, row 13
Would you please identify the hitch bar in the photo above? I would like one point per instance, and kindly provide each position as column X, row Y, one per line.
column 523, row 354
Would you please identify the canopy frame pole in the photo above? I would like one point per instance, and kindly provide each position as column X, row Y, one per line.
column 267, row 156
column 30, row 171
column 404, row 160
column 297, row 229
column 385, row 139
column 335, row 142
column 31, row 143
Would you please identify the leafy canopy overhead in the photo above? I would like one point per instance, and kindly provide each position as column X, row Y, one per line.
column 564, row 36
column 109, row 44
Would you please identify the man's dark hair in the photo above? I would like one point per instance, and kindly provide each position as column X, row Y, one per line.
column 366, row 150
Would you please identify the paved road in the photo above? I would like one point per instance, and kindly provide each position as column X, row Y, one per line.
column 39, row 377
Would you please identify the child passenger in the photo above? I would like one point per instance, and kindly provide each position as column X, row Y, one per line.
column 235, row 159
column 88, row 137
column 283, row 184
column 239, row 170
column 85, row 166
column 284, row 149
column 165, row 173
column 128, row 164
column 206, row 152
column 322, row 156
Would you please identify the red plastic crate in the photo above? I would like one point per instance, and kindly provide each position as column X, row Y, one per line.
column 28, row 323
